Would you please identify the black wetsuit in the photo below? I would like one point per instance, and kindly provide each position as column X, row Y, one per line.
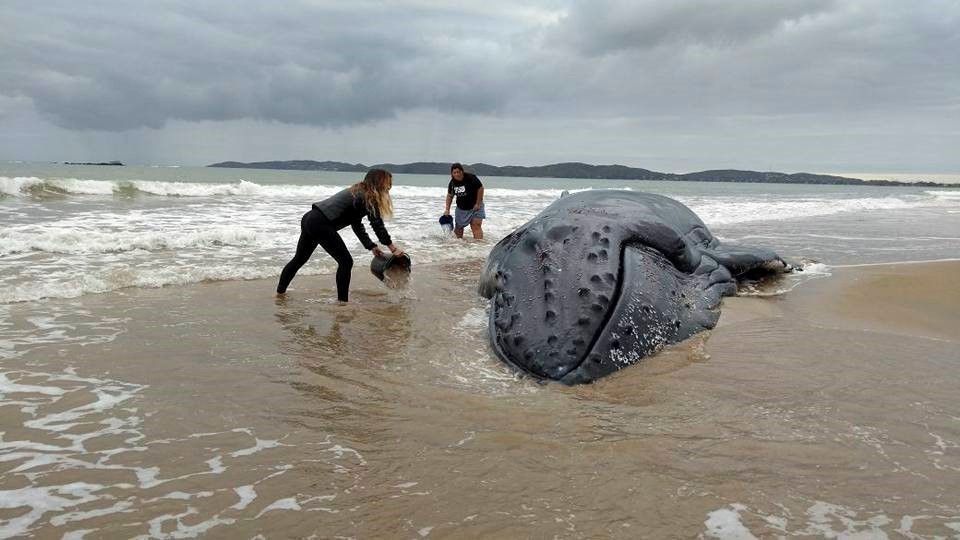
column 319, row 226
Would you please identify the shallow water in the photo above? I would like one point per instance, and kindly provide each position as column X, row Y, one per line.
column 136, row 401
column 217, row 409
column 70, row 231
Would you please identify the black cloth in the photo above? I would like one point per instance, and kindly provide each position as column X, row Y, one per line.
column 316, row 229
column 346, row 208
column 465, row 191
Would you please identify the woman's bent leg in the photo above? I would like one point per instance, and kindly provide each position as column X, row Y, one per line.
column 333, row 244
column 305, row 247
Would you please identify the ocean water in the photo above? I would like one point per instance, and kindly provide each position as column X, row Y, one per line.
column 152, row 387
column 68, row 231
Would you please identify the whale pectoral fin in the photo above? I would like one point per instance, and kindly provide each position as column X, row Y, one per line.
column 743, row 261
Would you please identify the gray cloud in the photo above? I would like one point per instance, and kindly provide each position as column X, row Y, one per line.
column 132, row 66
column 605, row 27
column 692, row 70
column 773, row 58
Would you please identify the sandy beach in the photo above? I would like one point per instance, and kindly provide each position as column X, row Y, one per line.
column 829, row 409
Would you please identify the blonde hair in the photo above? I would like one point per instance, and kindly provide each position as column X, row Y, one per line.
column 376, row 193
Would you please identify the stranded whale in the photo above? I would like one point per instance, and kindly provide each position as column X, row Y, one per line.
column 600, row 279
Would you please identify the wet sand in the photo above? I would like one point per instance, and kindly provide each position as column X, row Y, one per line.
column 219, row 411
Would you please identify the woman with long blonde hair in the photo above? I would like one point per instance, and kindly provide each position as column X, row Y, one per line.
column 319, row 226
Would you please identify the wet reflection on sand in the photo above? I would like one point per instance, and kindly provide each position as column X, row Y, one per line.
column 212, row 410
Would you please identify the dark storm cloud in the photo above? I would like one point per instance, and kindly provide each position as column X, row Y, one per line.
column 103, row 65
column 120, row 65
column 608, row 26
column 753, row 57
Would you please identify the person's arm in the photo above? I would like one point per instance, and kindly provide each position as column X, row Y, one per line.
column 446, row 208
column 381, row 230
column 479, row 198
column 361, row 232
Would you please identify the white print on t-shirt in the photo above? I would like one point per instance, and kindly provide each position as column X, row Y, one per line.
column 459, row 190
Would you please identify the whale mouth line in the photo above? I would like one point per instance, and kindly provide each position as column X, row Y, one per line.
column 611, row 309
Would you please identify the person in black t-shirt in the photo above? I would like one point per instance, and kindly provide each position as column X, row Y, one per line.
column 468, row 190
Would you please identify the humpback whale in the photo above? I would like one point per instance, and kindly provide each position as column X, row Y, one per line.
column 601, row 279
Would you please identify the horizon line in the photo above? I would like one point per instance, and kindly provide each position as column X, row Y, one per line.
column 952, row 177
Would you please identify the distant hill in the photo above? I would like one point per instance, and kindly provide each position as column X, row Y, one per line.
column 296, row 165
column 576, row 170
column 116, row 163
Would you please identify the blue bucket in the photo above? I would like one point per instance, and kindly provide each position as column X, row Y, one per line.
column 446, row 222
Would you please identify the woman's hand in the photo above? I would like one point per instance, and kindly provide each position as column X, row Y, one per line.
column 377, row 252
column 395, row 250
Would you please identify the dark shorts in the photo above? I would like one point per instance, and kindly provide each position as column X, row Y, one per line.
column 462, row 218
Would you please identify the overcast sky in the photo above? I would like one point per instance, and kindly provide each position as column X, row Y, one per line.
column 678, row 86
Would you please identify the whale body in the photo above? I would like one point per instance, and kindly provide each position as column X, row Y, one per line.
column 601, row 279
